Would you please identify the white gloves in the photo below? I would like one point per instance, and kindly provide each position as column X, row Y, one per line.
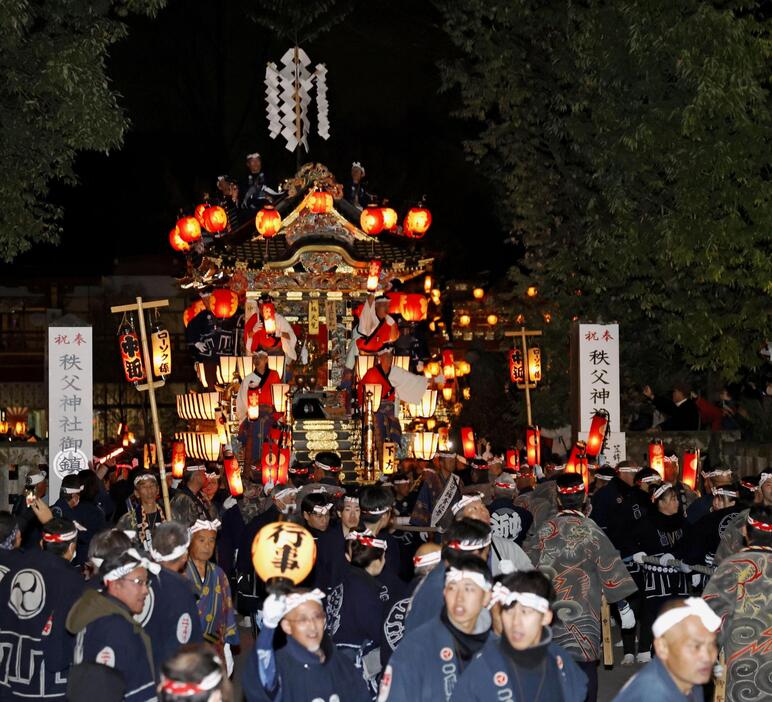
column 274, row 608
column 638, row 557
column 627, row 616
column 696, row 580
column 666, row 558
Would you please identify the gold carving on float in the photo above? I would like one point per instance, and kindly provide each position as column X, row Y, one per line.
column 321, row 436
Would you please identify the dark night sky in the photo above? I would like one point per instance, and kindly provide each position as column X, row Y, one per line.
column 192, row 86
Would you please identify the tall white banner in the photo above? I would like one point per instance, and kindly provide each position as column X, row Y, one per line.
column 70, row 403
column 599, row 386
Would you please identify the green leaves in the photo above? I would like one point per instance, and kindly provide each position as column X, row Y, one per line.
column 55, row 100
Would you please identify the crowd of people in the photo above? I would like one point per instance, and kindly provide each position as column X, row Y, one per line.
column 448, row 580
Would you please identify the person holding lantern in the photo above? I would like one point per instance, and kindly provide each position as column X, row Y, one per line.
column 254, row 407
column 573, row 550
column 144, row 513
column 267, row 330
column 309, row 667
column 215, row 605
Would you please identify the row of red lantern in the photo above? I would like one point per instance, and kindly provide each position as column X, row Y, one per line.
column 187, row 231
column 375, row 220
column 512, row 461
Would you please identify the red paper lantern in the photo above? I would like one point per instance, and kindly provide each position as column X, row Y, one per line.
column 275, row 464
column 414, row 307
column 223, row 303
column 177, row 242
column 691, row 463
column 268, row 222
column 192, row 311
column 574, row 463
column 513, row 460
column 468, row 445
column 389, row 218
column 178, row 459
column 417, row 222
column 657, row 456
column 198, row 213
column 448, row 366
column 233, row 474
column 373, row 275
column 253, row 403
column 516, row 367
column 533, row 446
column 189, row 228
column 371, row 220
column 597, row 434
column 131, row 355
column 320, row 202
column 215, row 219
column 396, row 301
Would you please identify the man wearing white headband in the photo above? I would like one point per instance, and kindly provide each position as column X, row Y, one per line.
column 524, row 664
column 739, row 592
column 309, row 667
column 685, row 642
column 69, row 496
column 173, row 619
column 441, row 488
column 712, row 478
column 732, row 539
column 30, row 508
column 331, row 544
column 508, row 520
column 429, row 660
column 189, row 502
column 143, row 510
column 106, row 630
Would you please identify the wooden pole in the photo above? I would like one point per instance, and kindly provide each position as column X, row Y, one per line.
column 719, row 690
column 605, row 619
column 527, row 377
column 153, row 409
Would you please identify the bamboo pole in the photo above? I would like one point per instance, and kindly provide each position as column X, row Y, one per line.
column 605, row 620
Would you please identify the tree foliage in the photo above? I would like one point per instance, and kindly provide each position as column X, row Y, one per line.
column 630, row 143
column 55, row 100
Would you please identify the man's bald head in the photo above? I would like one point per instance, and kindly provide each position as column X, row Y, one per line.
column 688, row 650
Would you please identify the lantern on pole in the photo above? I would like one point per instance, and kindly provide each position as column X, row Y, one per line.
column 597, row 435
column 533, row 446
column 283, row 553
column 428, row 284
column 691, row 463
column 268, row 313
column 268, row 222
column 131, row 357
column 657, row 456
column 275, row 464
column 373, row 275
column 425, row 445
column 513, row 460
column 448, row 365
column 233, row 474
column 516, row 367
column 371, row 220
column 178, row 459
column 534, row 364
column 253, row 403
column 468, row 445
column 162, row 351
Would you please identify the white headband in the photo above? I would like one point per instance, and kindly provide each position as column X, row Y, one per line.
column 651, row 479
column 321, row 509
column 661, row 490
column 764, row 477
column 380, row 510
column 401, row 481
column 628, row 469
column 694, row 606
column 506, row 597
column 176, row 552
column 717, row 471
column 192, row 469
column 504, row 486
column 254, row 155
column 725, row 493
column 455, row 575
column 324, row 466
column 138, row 562
column 296, row 599
column 366, row 539
column 72, row 490
column 427, row 559
column 35, row 478
column 205, row 525
column 145, row 476
column 470, row 544
column 600, row 476
column 464, row 501
column 352, row 499
column 284, row 494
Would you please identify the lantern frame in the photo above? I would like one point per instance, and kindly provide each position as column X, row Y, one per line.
column 178, row 458
column 205, row 446
column 401, row 361
column 512, row 460
column 373, row 275
column 198, row 405
column 424, row 445
column 426, row 408
column 253, row 403
column 215, row 219
column 276, row 362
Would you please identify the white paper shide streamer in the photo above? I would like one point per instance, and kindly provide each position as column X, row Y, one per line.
column 288, row 98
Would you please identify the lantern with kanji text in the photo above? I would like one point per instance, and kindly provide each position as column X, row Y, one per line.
column 597, row 435
column 691, row 463
column 253, row 403
column 232, row 474
column 534, row 365
column 373, row 275
column 189, row 229
column 533, row 446
column 162, row 351
column 512, row 460
column 223, row 303
column 516, row 367
column 657, row 456
column 283, row 553
column 131, row 353
column 215, row 219
column 268, row 222
column 178, row 459
column 371, row 220
column 274, row 463
column 468, row 446
column 319, row 202
column 417, row 222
